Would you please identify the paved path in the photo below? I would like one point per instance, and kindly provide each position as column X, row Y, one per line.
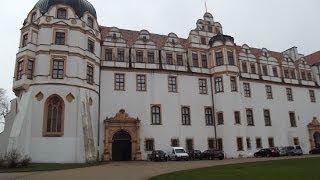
column 126, row 170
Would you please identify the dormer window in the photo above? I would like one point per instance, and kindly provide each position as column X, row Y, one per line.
column 210, row 29
column 24, row 40
column 203, row 41
column 114, row 36
column 62, row 13
column 172, row 41
column 33, row 16
column 144, row 38
column 90, row 22
column 265, row 54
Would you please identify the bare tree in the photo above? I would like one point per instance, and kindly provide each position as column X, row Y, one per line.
column 4, row 103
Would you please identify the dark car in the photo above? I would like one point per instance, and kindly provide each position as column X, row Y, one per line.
column 315, row 151
column 158, row 155
column 212, row 154
column 294, row 151
column 194, row 154
column 275, row 152
column 263, row 153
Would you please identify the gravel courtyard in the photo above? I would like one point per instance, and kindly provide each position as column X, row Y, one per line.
column 127, row 170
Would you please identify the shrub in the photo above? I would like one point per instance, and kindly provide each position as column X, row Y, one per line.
column 25, row 161
column 13, row 157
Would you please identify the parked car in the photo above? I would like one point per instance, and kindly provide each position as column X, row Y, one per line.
column 294, row 151
column 194, row 154
column 263, row 153
column 212, row 154
column 158, row 155
column 315, row 151
column 178, row 153
column 282, row 151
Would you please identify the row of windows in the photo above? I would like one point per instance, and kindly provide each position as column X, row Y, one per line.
column 209, row 120
column 62, row 14
column 289, row 73
column 250, row 118
column 57, row 71
column 141, row 83
column 175, row 142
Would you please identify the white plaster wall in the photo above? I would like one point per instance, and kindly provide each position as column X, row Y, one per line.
column 137, row 104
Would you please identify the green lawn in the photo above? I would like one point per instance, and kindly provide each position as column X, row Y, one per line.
column 296, row 169
column 46, row 167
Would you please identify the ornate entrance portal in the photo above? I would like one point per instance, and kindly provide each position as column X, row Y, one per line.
column 314, row 133
column 122, row 139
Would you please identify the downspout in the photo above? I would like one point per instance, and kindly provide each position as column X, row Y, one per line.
column 99, row 101
column 213, row 112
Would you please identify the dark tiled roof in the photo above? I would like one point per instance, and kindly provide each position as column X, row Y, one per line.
column 79, row 6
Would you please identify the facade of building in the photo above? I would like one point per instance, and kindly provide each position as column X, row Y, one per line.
column 86, row 91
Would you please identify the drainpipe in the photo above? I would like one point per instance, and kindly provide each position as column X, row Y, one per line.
column 213, row 113
column 99, row 102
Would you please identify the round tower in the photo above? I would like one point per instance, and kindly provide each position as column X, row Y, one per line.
column 57, row 83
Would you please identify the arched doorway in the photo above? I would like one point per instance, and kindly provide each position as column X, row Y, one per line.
column 316, row 137
column 121, row 146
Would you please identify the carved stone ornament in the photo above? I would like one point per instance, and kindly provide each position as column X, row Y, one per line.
column 70, row 97
column 73, row 21
column 39, row 96
column 48, row 19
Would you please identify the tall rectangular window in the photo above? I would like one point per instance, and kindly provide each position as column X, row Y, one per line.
column 208, row 116
column 203, row 41
column 218, row 84
column 121, row 55
column 60, row 38
column 141, row 82
column 286, row 73
column 220, row 118
column 271, row 142
column 203, row 89
column 109, row 54
column 292, row 117
column 19, row 70
column 293, row 74
column 155, row 115
column 269, row 92
column 258, row 143
column 195, row 60
column 303, row 75
column 233, row 83
column 312, row 95
column 309, row 76
column 151, row 57
column 240, row 144
column 211, row 144
column 250, row 120
column 30, row 69
column 139, row 56
column 57, row 69
column 237, row 118
column 265, row 70
column 175, row 142
column 169, row 58
column 24, row 40
column 248, row 140
column 231, row 58
column 90, row 74
column 275, row 71
column 204, row 60
column 179, row 60
column 253, row 68
column 189, row 144
column 246, row 90
column 244, row 67
column 119, row 82
column 219, row 59
column 220, row 144
column 172, row 84
column 296, row 141
column 90, row 22
column 91, row 46
column 185, row 115
column 289, row 94
column 149, row 144
column 267, row 117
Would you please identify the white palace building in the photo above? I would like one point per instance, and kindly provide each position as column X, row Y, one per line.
column 86, row 91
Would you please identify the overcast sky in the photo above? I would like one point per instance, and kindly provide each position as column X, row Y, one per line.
column 273, row 24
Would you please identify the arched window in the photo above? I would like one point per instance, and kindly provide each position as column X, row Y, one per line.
column 53, row 116
column 62, row 13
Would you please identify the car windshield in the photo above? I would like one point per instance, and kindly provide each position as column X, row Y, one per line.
column 298, row 147
column 179, row 151
column 159, row 152
column 290, row 148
